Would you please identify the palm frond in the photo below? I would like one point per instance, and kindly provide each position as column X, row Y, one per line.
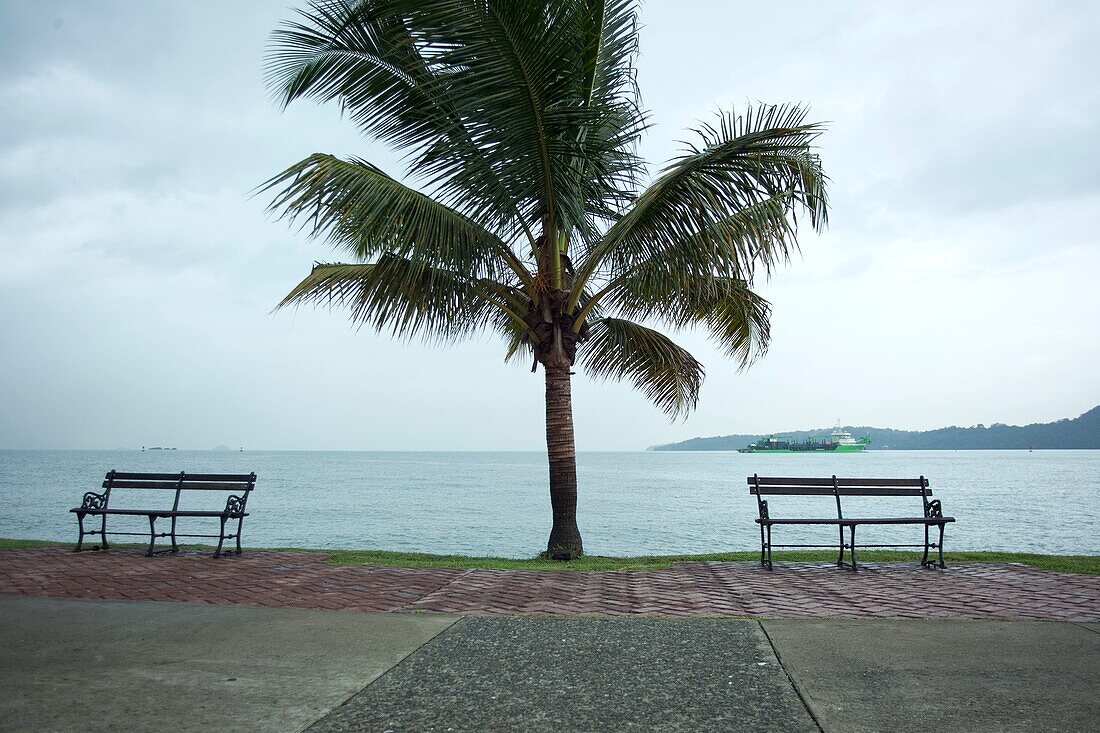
column 746, row 163
column 365, row 212
column 519, row 339
column 736, row 318
column 382, row 67
column 512, row 69
column 666, row 373
column 406, row 298
column 608, row 83
column 514, row 112
column 609, row 32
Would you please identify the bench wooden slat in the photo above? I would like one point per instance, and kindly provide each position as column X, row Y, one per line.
column 897, row 520
column 822, row 491
column 849, row 482
column 176, row 476
column 854, row 491
column 880, row 481
column 160, row 513
column 812, row 520
column 127, row 484
column 860, row 520
column 215, row 486
column 776, row 481
column 188, row 483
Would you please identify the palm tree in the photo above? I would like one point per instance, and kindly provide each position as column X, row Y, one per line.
column 519, row 120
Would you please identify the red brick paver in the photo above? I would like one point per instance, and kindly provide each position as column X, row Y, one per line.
column 794, row 590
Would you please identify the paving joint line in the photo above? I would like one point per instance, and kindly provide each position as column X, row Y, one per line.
column 405, row 608
column 1086, row 628
column 794, row 685
column 454, row 622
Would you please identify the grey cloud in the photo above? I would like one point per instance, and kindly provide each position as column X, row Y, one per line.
column 961, row 149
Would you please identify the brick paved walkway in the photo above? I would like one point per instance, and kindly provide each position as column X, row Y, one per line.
column 792, row 590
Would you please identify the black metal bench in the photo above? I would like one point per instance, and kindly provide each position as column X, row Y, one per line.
column 931, row 516
column 239, row 487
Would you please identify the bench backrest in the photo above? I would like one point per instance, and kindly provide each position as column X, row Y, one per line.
column 835, row 487
column 182, row 481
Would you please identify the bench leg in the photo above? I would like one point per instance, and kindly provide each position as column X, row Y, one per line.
column 763, row 548
column 924, row 558
column 175, row 547
column 240, row 523
column 152, row 535
column 840, row 557
column 221, row 538
column 103, row 533
column 80, row 539
column 942, row 566
column 852, row 535
column 769, row 547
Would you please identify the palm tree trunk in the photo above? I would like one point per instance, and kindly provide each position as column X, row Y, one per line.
column 565, row 537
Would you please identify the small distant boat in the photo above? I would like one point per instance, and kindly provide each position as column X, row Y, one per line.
column 839, row 441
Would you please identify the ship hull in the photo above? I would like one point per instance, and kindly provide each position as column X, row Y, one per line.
column 841, row 443
column 830, row 449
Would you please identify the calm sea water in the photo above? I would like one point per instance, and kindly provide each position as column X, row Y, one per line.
column 630, row 503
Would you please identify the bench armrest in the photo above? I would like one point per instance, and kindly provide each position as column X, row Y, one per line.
column 934, row 509
column 764, row 509
column 93, row 500
column 235, row 504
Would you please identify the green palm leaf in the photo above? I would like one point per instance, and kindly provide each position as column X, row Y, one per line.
column 515, row 113
column 759, row 162
column 407, row 298
column 735, row 317
column 666, row 373
column 362, row 210
column 380, row 68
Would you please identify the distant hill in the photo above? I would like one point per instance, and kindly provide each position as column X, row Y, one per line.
column 1080, row 432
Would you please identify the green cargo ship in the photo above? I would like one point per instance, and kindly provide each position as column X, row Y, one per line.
column 840, row 441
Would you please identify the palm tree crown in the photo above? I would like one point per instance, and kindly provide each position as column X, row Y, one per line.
column 519, row 121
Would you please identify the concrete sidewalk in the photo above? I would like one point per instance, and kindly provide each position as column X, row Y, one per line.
column 994, row 676
column 69, row 665
column 594, row 674
column 139, row 666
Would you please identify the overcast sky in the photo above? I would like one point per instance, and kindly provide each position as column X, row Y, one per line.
column 958, row 283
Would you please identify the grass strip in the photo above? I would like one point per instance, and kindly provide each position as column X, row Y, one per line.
column 1085, row 564
column 7, row 544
